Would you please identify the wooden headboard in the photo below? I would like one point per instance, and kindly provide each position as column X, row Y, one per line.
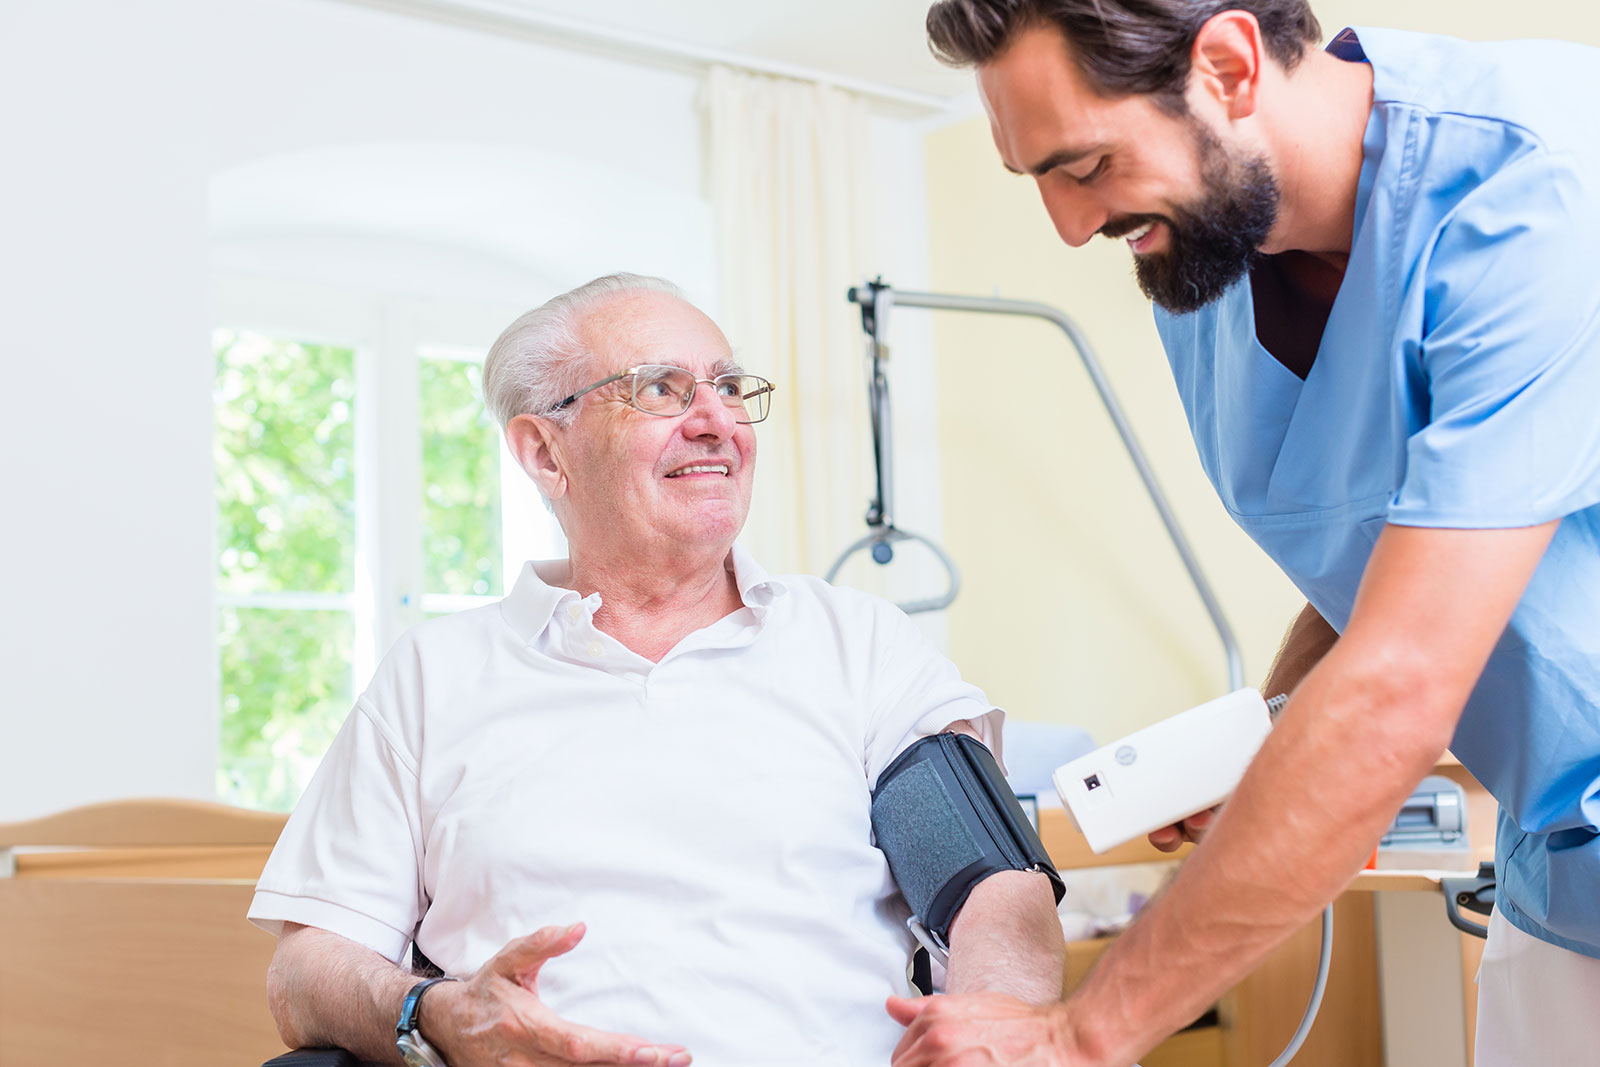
column 124, row 938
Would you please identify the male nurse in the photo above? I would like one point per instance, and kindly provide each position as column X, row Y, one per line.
column 1376, row 271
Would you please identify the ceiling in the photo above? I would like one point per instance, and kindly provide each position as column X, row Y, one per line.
column 877, row 41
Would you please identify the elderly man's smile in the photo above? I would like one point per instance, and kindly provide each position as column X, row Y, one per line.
column 720, row 468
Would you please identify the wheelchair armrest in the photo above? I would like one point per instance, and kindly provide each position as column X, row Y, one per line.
column 317, row 1057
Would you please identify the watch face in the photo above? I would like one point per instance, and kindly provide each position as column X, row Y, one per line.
column 417, row 1052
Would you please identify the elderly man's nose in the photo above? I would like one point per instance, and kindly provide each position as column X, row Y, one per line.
column 708, row 414
column 1076, row 215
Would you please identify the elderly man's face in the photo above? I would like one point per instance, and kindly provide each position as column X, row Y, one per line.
column 630, row 479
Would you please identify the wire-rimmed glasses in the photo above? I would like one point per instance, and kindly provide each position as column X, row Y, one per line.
column 657, row 389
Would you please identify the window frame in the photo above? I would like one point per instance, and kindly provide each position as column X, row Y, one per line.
column 390, row 333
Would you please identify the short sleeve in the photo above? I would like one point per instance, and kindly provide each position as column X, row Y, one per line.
column 1511, row 355
column 917, row 692
column 350, row 858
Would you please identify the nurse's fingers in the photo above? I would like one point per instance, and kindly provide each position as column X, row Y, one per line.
column 1171, row 838
column 1168, row 838
column 1196, row 825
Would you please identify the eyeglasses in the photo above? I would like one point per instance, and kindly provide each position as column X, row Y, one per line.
column 668, row 391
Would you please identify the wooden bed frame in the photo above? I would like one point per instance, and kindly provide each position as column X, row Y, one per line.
column 124, row 940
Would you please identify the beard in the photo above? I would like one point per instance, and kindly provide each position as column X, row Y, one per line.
column 1211, row 241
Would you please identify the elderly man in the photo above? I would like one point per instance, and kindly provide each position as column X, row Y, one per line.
column 652, row 747
column 1377, row 277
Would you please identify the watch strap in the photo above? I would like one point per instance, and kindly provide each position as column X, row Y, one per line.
column 412, row 1005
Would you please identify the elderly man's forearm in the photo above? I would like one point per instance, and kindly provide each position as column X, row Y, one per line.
column 1007, row 939
column 326, row 991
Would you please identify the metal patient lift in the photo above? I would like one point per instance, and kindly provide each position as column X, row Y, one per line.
column 882, row 533
column 876, row 298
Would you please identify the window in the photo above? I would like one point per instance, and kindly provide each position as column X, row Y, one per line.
column 285, row 468
column 462, row 558
column 361, row 487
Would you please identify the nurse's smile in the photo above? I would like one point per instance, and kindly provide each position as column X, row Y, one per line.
column 1142, row 239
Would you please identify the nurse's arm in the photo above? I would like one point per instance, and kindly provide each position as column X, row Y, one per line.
column 1368, row 721
column 1307, row 640
column 326, row 991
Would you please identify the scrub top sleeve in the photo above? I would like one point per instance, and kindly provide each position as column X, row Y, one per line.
column 350, row 858
column 1510, row 355
column 917, row 692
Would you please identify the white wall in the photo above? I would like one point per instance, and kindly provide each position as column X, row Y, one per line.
column 145, row 143
column 119, row 116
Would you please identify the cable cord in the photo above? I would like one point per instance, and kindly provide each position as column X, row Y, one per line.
column 1324, row 961
column 1317, row 990
column 1275, row 705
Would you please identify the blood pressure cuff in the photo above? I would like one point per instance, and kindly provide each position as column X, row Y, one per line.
column 946, row 819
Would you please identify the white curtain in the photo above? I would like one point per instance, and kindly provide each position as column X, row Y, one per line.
column 790, row 173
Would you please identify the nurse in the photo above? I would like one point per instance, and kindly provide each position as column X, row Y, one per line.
column 1376, row 271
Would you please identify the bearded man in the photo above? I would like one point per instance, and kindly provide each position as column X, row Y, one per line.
column 1376, row 271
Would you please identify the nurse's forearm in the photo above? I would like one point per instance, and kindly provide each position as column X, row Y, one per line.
column 1307, row 640
column 1342, row 760
column 1007, row 939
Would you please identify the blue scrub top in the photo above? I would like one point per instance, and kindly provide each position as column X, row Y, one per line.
column 1457, row 385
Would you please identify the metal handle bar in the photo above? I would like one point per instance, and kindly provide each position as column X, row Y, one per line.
column 887, row 535
column 1474, row 893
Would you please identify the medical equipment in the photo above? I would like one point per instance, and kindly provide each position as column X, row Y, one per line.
column 1430, row 830
column 1163, row 773
column 876, row 298
column 946, row 820
column 882, row 533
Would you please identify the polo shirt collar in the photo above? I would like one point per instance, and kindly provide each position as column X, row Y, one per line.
column 757, row 588
column 533, row 600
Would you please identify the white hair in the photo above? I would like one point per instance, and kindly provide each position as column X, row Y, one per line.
column 532, row 366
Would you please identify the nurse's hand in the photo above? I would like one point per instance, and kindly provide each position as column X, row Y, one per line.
column 1171, row 838
column 496, row 1016
column 983, row 1030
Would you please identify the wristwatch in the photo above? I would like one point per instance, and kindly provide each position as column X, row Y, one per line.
column 413, row 1049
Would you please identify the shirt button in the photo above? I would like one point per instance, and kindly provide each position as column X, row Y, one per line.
column 595, row 649
column 575, row 612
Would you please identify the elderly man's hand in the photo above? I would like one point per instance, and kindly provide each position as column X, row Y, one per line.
column 983, row 1030
column 496, row 1017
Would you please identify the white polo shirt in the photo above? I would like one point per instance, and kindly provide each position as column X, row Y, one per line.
column 707, row 816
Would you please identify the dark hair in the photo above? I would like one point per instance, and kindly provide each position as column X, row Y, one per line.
column 1122, row 47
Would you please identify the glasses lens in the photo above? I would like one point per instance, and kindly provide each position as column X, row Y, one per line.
column 662, row 390
column 748, row 394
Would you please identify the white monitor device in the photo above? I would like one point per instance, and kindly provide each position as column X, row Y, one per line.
column 1165, row 772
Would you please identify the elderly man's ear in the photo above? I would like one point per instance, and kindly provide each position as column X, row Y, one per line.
column 537, row 446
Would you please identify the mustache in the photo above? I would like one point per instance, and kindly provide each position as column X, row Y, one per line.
column 1126, row 224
